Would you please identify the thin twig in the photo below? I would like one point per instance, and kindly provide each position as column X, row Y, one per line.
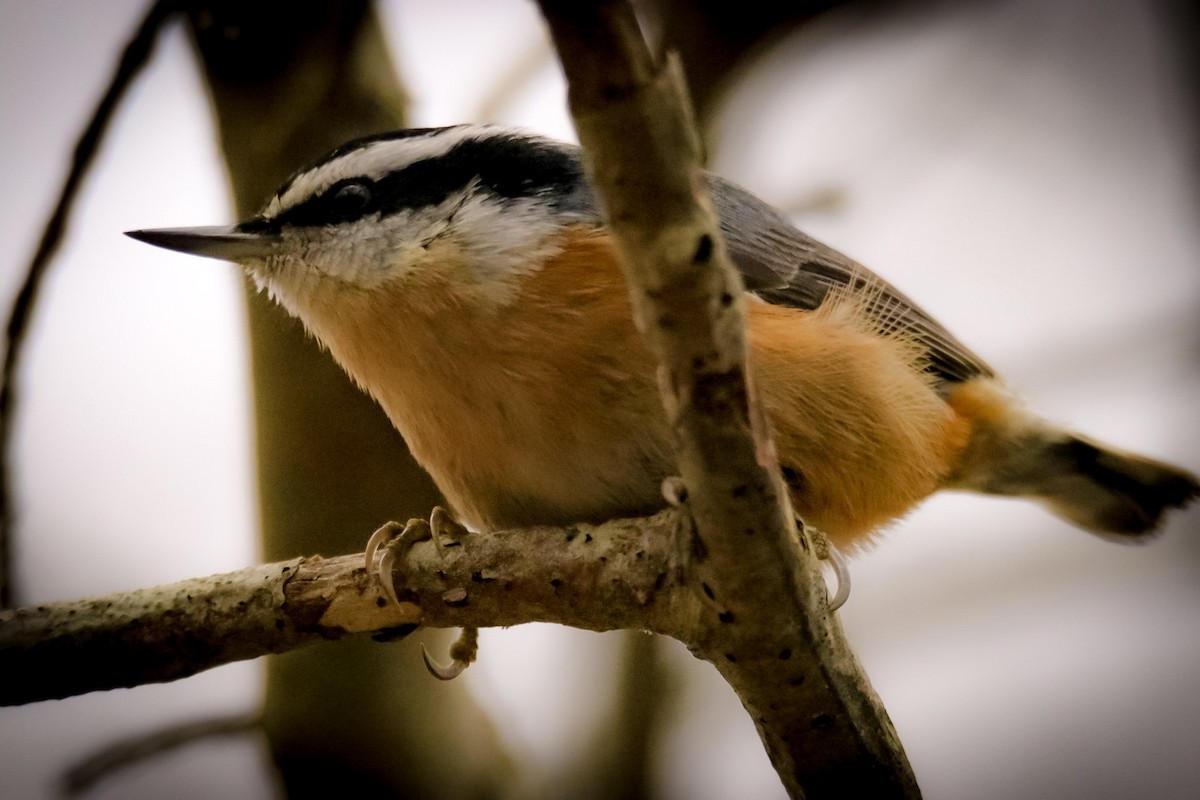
column 136, row 53
column 124, row 753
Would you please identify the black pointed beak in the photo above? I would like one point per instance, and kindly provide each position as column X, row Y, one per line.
column 229, row 243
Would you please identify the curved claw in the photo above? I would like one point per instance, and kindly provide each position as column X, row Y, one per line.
column 382, row 535
column 443, row 672
column 842, row 571
column 462, row 652
column 386, row 564
column 413, row 531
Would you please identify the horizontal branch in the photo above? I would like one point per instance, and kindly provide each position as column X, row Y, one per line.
column 597, row 577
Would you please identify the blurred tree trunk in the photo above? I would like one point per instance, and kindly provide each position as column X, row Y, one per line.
column 628, row 744
column 289, row 82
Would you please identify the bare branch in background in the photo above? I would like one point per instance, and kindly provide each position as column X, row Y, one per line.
column 137, row 52
column 142, row 747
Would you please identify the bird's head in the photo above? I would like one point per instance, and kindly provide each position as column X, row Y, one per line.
column 473, row 206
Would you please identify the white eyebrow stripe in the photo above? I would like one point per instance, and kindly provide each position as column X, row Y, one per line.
column 373, row 161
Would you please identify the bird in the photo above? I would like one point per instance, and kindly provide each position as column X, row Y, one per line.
column 465, row 278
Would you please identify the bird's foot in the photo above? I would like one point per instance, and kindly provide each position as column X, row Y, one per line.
column 396, row 540
column 462, row 653
column 828, row 551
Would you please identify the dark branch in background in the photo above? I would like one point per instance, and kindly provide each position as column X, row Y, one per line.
column 132, row 60
column 765, row 624
column 614, row 576
column 125, row 753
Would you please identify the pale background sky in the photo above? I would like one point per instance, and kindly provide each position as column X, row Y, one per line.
column 1018, row 167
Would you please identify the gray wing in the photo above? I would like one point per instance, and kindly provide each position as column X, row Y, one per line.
column 783, row 266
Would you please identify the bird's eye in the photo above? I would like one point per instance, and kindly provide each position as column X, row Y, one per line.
column 350, row 200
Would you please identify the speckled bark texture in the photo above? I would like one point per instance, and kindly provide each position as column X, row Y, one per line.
column 765, row 624
column 146, row 636
column 618, row 575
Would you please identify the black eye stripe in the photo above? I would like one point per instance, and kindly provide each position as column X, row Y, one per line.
column 507, row 167
column 354, row 193
column 346, row 200
column 351, row 200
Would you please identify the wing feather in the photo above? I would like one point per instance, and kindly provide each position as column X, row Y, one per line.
column 782, row 265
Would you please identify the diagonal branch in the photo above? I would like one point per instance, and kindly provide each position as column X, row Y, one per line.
column 776, row 644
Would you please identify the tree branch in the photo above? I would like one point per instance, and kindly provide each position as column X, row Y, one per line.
column 142, row 747
column 740, row 588
column 766, row 626
column 597, row 577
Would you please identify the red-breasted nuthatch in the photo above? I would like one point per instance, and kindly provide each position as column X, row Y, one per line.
column 464, row 277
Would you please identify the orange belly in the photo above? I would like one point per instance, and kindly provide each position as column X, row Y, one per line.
column 860, row 430
column 547, row 411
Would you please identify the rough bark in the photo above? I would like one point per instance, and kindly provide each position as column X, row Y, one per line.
column 776, row 643
column 614, row 576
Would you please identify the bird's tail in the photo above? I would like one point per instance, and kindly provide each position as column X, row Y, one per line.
column 1109, row 492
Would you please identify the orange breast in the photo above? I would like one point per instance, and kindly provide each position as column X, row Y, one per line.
column 542, row 411
column 546, row 410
